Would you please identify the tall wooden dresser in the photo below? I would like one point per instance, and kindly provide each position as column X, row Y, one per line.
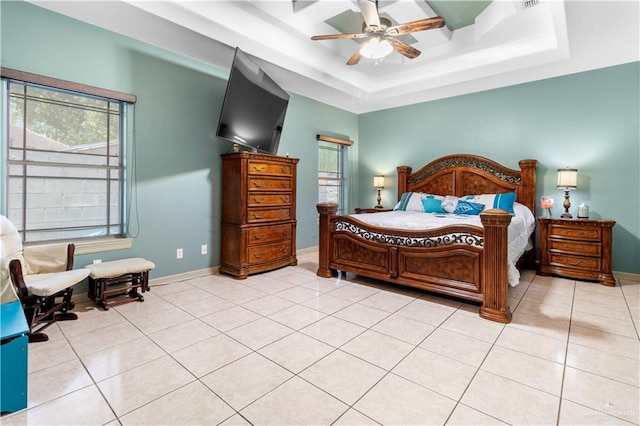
column 258, row 213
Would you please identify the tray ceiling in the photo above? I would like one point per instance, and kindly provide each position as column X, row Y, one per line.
column 485, row 44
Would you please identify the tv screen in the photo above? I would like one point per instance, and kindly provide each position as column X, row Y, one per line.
column 254, row 107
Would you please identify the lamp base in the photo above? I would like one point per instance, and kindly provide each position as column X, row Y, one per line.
column 379, row 206
column 566, row 205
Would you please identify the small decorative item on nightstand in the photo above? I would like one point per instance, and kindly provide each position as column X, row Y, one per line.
column 546, row 204
column 583, row 211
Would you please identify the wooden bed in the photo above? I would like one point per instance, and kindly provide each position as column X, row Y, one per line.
column 472, row 266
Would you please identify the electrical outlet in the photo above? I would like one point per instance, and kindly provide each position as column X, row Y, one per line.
column 203, row 249
column 95, row 261
column 179, row 253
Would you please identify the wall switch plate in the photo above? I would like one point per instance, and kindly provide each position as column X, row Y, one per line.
column 179, row 253
column 203, row 249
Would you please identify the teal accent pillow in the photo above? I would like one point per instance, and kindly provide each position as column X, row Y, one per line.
column 404, row 201
column 412, row 201
column 468, row 207
column 431, row 204
column 503, row 201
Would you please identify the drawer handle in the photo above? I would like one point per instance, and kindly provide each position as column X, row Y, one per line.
column 283, row 170
column 257, row 216
column 257, row 184
column 282, row 250
column 257, row 255
column 258, row 237
column 283, row 185
column 258, row 200
column 284, row 233
column 258, row 169
column 284, row 199
column 576, row 263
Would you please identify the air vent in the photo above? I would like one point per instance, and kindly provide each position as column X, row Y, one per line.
column 531, row 3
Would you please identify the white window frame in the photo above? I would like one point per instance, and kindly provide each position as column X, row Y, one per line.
column 341, row 146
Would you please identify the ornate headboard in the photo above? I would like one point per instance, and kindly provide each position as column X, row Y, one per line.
column 466, row 174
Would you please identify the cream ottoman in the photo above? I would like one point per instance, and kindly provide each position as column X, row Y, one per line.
column 116, row 282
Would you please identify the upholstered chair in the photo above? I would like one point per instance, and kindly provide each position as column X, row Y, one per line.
column 41, row 277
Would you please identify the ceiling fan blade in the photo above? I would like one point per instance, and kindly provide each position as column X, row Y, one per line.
column 403, row 48
column 338, row 36
column 369, row 10
column 355, row 58
column 415, row 26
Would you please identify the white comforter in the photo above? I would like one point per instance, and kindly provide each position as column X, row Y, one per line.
column 519, row 231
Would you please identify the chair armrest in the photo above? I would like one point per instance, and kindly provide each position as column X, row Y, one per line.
column 46, row 258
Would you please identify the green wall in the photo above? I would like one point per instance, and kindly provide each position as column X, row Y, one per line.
column 177, row 156
column 589, row 121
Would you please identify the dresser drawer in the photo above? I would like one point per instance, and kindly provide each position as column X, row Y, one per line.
column 269, row 234
column 270, row 199
column 272, row 169
column 578, row 233
column 267, row 184
column 576, row 247
column 268, row 252
column 268, row 215
column 568, row 261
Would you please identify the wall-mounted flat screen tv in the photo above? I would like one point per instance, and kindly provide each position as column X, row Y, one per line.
column 254, row 107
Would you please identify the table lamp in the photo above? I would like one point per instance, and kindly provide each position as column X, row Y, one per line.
column 567, row 180
column 378, row 183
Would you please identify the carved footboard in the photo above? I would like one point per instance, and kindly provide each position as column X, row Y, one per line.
column 463, row 261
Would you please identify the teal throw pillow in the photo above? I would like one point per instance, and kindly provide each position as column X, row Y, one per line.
column 468, row 207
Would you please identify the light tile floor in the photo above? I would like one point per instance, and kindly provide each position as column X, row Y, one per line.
column 287, row 347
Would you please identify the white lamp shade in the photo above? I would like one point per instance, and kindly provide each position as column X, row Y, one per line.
column 376, row 49
column 567, row 178
column 378, row 181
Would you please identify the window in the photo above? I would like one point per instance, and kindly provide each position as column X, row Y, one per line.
column 65, row 176
column 332, row 153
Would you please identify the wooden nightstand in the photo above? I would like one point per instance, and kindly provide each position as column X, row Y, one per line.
column 370, row 210
column 576, row 248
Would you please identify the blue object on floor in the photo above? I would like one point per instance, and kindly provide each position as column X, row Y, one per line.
column 14, row 354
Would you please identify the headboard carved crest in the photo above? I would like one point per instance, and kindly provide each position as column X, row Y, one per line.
column 479, row 163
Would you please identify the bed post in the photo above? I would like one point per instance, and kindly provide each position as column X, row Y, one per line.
column 495, row 287
column 403, row 179
column 324, row 238
column 528, row 181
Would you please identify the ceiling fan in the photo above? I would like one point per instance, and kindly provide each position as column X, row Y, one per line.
column 382, row 34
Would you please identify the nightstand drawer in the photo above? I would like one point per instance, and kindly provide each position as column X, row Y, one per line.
column 576, row 247
column 568, row 261
column 578, row 233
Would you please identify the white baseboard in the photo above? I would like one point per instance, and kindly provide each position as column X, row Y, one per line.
column 184, row 276
column 307, row 250
column 627, row 276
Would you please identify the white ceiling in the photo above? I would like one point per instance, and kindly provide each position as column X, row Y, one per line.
column 508, row 44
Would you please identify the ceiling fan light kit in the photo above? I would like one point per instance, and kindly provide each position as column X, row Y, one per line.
column 376, row 48
column 382, row 34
